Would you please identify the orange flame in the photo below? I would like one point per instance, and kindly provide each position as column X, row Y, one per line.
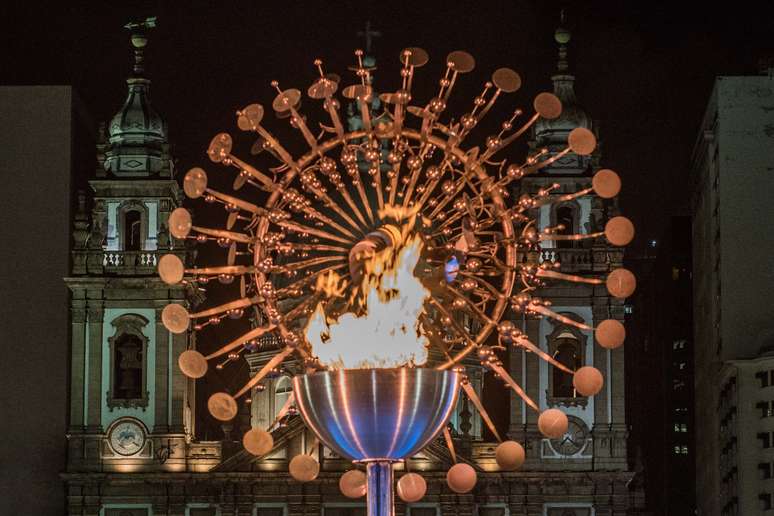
column 384, row 329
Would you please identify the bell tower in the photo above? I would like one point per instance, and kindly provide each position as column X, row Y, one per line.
column 131, row 409
column 596, row 439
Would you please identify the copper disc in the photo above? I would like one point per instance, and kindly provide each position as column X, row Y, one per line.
column 357, row 91
column 286, row 100
column 548, row 105
column 621, row 283
column 417, row 57
column 222, row 406
column 606, row 183
column 239, row 182
column 619, row 231
column 192, row 363
column 417, row 111
column 460, row 61
column 304, row 468
column 509, row 455
column 399, row 97
column 553, row 423
column 195, row 183
column 352, row 484
column 322, row 88
column 461, row 478
column 588, row 381
column 250, row 117
column 171, row 269
column 506, row 79
column 175, row 318
column 411, row 487
column 179, row 223
column 610, row 333
column 231, row 220
column 220, row 147
column 257, row 441
column 231, row 258
column 582, row 141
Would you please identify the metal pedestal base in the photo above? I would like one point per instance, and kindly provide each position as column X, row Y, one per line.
column 380, row 489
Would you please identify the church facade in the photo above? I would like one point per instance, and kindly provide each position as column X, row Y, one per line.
column 133, row 448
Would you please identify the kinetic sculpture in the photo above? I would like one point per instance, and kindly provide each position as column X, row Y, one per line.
column 382, row 257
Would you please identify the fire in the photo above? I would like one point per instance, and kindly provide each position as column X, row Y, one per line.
column 382, row 327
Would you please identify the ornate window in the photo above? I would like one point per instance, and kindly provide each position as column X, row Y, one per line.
column 282, row 391
column 128, row 363
column 132, row 225
column 566, row 214
column 567, row 352
column 133, row 231
column 567, row 346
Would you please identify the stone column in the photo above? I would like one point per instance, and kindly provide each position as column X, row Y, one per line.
column 531, row 438
column 96, row 313
column 179, row 384
column 77, row 365
column 516, row 359
column 600, row 313
column 162, row 375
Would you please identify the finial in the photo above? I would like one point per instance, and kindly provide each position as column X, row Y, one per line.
column 138, row 35
column 562, row 36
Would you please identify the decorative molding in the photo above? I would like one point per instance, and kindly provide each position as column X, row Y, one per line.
column 128, row 324
column 121, row 211
column 551, row 347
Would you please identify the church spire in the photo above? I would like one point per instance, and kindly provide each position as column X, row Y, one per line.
column 139, row 39
column 562, row 36
column 553, row 133
column 137, row 135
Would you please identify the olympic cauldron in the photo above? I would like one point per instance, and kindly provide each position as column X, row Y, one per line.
column 377, row 417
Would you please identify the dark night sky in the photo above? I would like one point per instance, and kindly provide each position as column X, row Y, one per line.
column 645, row 69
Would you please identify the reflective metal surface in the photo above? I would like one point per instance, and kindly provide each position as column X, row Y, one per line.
column 380, row 500
column 370, row 414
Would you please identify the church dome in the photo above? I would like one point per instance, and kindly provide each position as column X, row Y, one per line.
column 573, row 115
column 137, row 120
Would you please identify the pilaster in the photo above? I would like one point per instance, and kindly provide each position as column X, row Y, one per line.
column 162, row 375
column 96, row 313
column 77, row 365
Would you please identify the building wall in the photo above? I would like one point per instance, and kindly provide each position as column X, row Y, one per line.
column 745, row 135
column 36, row 163
column 733, row 174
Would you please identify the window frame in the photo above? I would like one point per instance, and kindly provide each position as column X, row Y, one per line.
column 128, row 324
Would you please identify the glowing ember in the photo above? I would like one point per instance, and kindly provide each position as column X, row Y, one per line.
column 382, row 330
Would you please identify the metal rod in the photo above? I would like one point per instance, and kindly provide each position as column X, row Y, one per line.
column 379, row 494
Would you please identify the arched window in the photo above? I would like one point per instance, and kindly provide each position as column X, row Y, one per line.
column 128, row 363
column 282, row 391
column 567, row 352
column 565, row 215
column 127, row 367
column 133, row 231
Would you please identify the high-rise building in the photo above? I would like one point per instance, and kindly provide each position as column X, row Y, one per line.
column 44, row 134
column 660, row 380
column 733, row 328
column 133, row 445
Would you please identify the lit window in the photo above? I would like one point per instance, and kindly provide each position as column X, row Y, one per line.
column 567, row 353
column 282, row 391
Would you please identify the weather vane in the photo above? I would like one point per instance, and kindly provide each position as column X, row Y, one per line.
column 383, row 258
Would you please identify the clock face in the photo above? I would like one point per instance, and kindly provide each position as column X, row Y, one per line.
column 573, row 440
column 127, row 437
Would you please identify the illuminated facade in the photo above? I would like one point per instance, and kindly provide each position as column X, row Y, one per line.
column 133, row 446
